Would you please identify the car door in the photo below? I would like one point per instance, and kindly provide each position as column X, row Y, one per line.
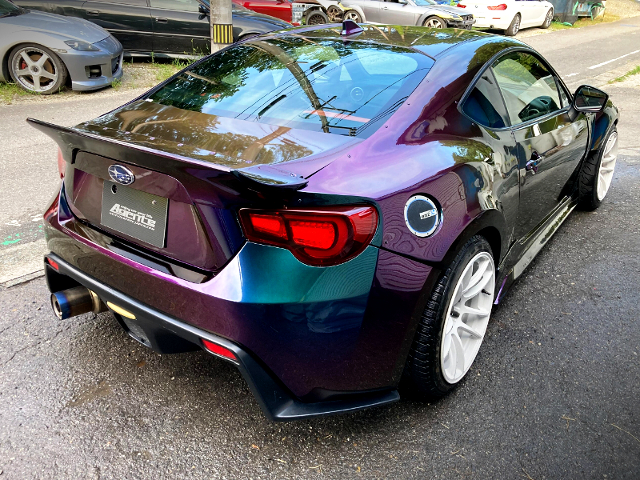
column 396, row 13
column 527, row 9
column 179, row 28
column 127, row 20
column 371, row 9
column 276, row 8
column 550, row 144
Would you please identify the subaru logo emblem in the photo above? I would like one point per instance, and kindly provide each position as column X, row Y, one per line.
column 121, row 175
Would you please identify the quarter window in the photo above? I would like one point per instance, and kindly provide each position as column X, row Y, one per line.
column 484, row 104
column 528, row 87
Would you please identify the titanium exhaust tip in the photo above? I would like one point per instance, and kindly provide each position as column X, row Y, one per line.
column 76, row 301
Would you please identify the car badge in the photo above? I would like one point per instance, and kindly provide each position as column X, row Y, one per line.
column 422, row 215
column 121, row 175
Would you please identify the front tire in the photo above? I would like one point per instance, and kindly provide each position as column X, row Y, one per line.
column 353, row 16
column 434, row 22
column 548, row 19
column 453, row 324
column 514, row 27
column 37, row 69
column 597, row 172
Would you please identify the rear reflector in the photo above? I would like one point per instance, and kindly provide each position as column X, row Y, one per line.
column 219, row 350
column 461, row 6
column 502, row 6
column 319, row 237
column 52, row 263
column 62, row 165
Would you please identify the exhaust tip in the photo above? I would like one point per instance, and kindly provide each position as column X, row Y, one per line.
column 58, row 307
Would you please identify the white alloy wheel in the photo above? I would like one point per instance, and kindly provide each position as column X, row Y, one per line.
column 34, row 70
column 434, row 22
column 607, row 166
column 467, row 317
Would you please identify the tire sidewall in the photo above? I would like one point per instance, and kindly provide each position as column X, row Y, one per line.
column 592, row 201
column 442, row 22
column 59, row 64
column 509, row 32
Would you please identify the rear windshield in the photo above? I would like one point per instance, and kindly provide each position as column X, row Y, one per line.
column 318, row 84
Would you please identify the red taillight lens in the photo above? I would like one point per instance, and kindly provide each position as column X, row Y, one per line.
column 502, row 6
column 53, row 264
column 461, row 6
column 319, row 237
column 62, row 165
column 219, row 350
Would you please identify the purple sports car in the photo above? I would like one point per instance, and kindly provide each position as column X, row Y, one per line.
column 333, row 210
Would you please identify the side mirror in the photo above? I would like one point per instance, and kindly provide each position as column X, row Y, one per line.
column 203, row 10
column 403, row 2
column 589, row 99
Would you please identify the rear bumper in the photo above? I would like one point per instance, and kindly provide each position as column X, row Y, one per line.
column 332, row 338
column 160, row 332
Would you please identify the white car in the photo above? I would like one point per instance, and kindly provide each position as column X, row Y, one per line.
column 509, row 15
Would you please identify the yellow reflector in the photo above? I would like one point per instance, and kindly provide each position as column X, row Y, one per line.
column 121, row 311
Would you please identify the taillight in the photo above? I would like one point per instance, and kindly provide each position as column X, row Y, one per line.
column 319, row 237
column 502, row 6
column 53, row 263
column 461, row 6
column 62, row 165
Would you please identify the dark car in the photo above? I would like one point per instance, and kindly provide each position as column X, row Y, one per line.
column 332, row 210
column 164, row 27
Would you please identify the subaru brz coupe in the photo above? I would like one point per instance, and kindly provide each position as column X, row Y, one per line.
column 333, row 209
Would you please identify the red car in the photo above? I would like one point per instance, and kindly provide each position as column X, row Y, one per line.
column 309, row 12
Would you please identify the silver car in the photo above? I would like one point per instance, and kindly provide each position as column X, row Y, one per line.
column 407, row 12
column 40, row 51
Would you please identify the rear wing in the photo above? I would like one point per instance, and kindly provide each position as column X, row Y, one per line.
column 71, row 140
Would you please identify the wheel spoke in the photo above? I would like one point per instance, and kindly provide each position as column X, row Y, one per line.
column 27, row 58
column 36, row 82
column 23, row 72
column 469, row 329
column 50, row 76
column 42, row 60
column 461, row 309
column 456, row 344
column 477, row 281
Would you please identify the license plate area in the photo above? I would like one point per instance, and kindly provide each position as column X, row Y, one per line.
column 135, row 213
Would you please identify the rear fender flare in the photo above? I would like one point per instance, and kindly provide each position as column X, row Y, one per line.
column 602, row 125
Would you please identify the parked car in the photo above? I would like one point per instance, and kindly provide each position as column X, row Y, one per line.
column 509, row 15
column 330, row 209
column 426, row 13
column 309, row 12
column 174, row 28
column 41, row 51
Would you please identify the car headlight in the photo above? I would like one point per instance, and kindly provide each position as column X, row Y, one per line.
column 82, row 46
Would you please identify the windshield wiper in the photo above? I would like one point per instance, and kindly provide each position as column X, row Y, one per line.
column 273, row 102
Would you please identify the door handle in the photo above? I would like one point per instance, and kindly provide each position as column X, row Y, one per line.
column 162, row 20
column 93, row 13
column 532, row 164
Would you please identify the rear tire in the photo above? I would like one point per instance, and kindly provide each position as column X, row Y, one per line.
column 514, row 27
column 316, row 17
column 335, row 14
column 353, row 16
column 597, row 172
column 445, row 345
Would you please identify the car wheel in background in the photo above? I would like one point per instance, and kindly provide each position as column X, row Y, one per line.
column 434, row 22
column 335, row 14
column 316, row 17
column 453, row 324
column 37, row 69
column 353, row 16
column 597, row 172
column 514, row 27
column 548, row 19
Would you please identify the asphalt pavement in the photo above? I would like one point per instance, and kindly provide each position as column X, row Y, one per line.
column 554, row 392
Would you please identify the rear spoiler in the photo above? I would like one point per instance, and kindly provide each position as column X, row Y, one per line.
column 70, row 140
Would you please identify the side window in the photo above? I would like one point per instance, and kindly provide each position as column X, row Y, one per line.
column 177, row 5
column 528, row 87
column 134, row 3
column 484, row 104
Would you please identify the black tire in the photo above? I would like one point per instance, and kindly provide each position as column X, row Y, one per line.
column 316, row 17
column 588, row 179
column 548, row 19
column 52, row 66
column 514, row 27
column 353, row 16
column 335, row 14
column 423, row 377
column 436, row 22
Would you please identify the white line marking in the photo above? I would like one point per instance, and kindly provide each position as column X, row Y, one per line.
column 570, row 75
column 609, row 61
